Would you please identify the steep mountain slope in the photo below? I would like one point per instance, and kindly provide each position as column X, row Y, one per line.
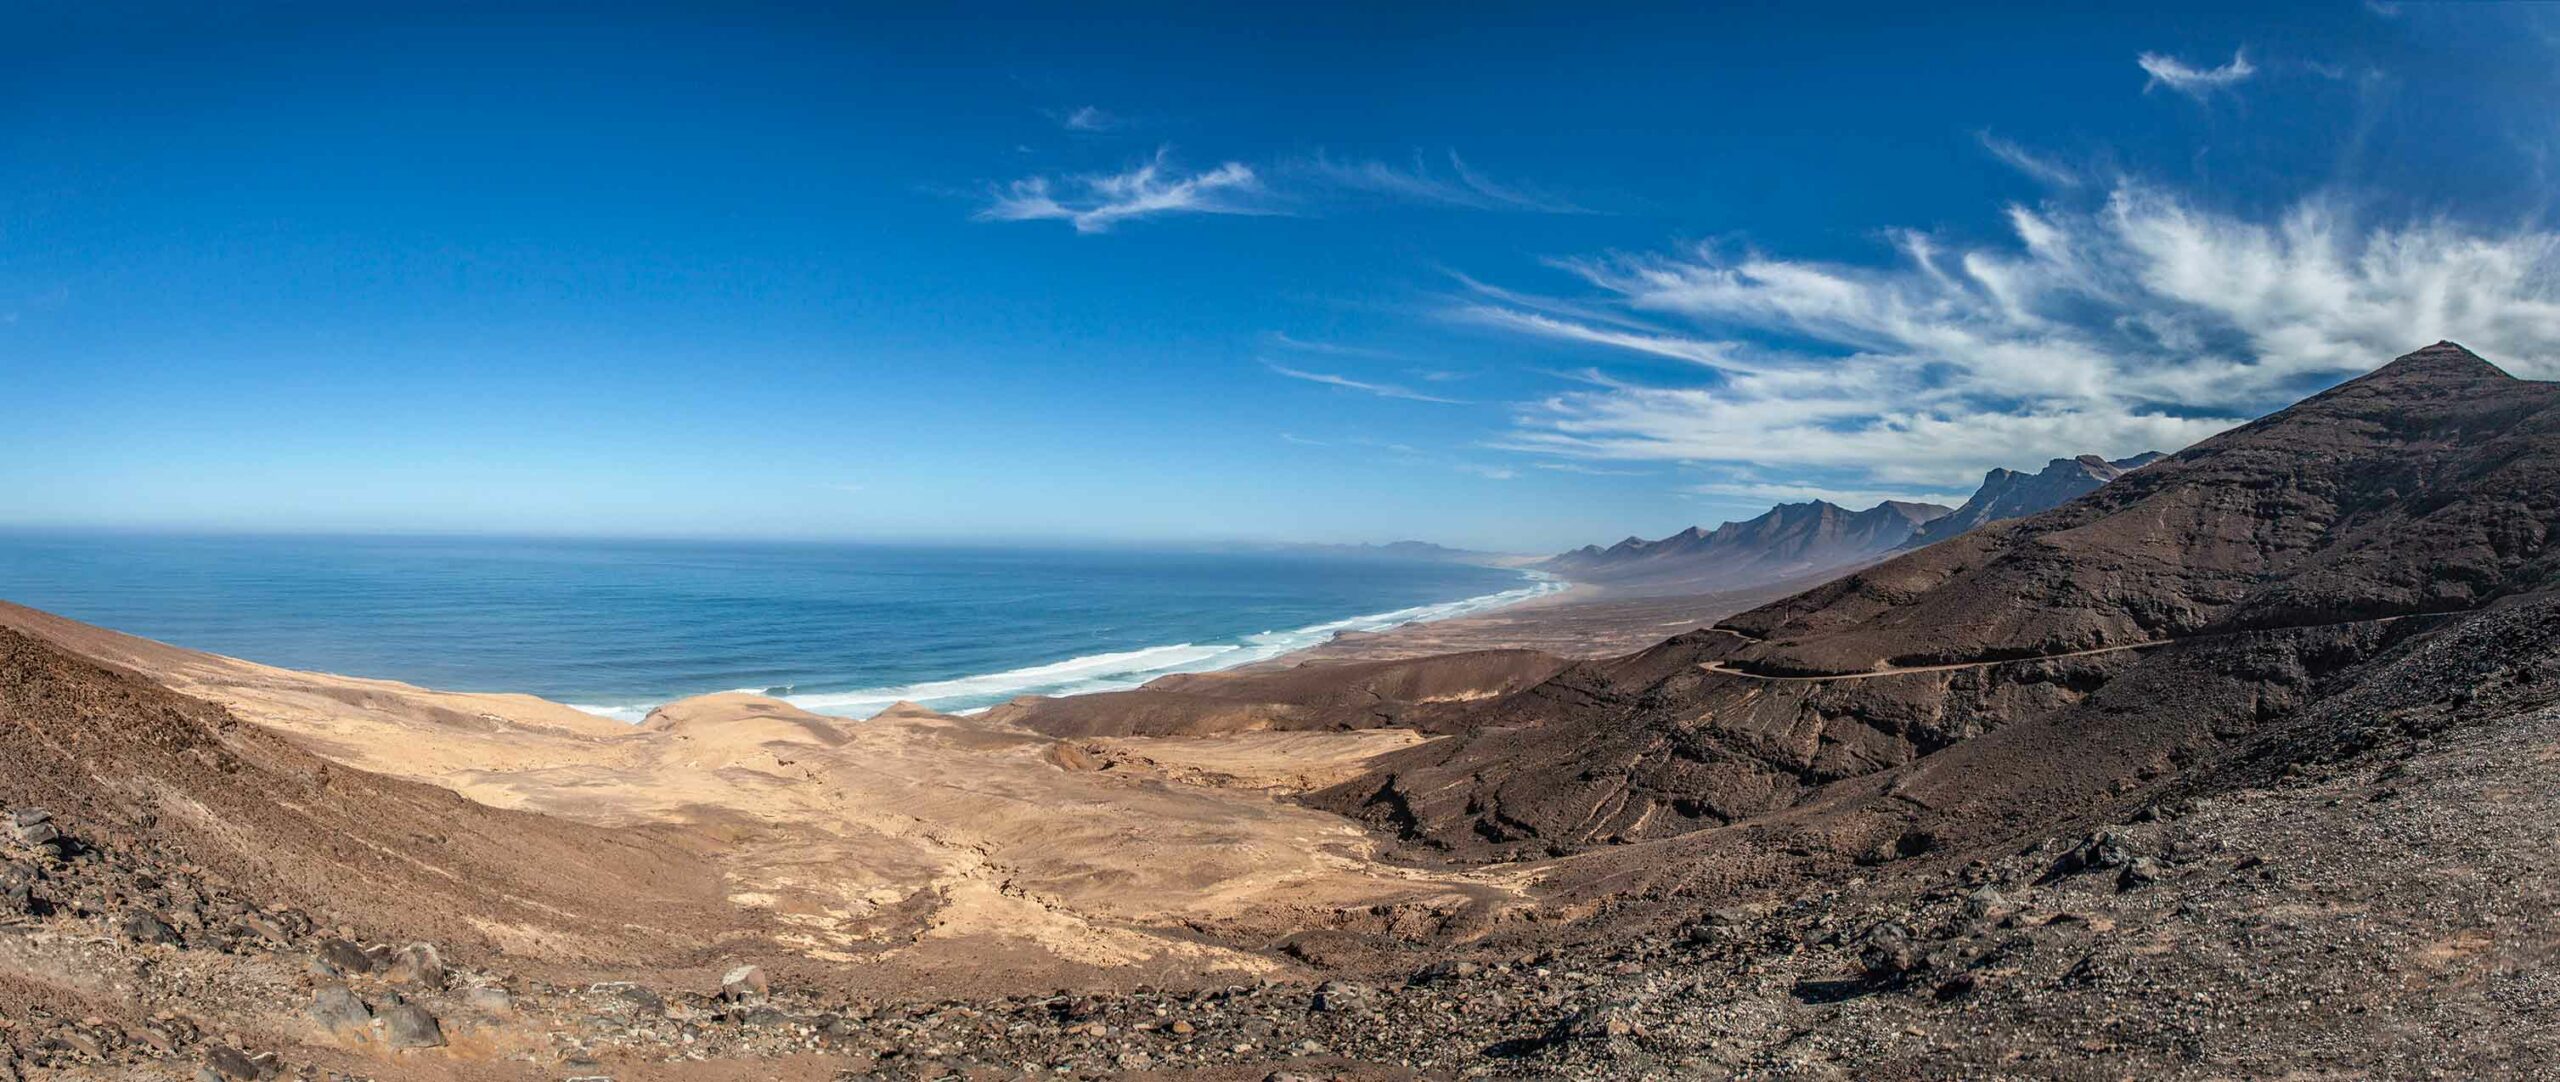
column 2268, row 556
column 1793, row 541
column 2007, row 494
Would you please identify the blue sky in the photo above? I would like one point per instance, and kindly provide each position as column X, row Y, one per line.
column 1495, row 275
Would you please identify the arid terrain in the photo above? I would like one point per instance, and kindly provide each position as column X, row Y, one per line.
column 2241, row 765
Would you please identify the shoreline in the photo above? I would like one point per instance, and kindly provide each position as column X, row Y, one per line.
column 1583, row 621
column 1126, row 669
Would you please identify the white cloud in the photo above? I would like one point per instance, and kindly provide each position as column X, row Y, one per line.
column 2198, row 83
column 2140, row 323
column 1588, row 471
column 1382, row 390
column 1455, row 184
column 1088, row 118
column 2029, row 162
column 1093, row 203
column 1490, row 473
column 1674, row 346
column 1333, row 349
column 1857, row 499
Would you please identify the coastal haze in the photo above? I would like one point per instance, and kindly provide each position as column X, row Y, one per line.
column 841, row 543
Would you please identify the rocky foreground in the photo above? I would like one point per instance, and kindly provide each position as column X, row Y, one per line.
column 2381, row 915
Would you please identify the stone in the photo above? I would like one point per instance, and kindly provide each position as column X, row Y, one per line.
column 408, row 1025
column 1985, row 901
column 743, row 984
column 1887, row 951
column 255, row 925
column 1445, row 970
column 2102, row 850
column 337, row 1009
column 2139, row 872
column 417, row 965
column 17, row 889
column 1600, row 1022
column 143, row 927
column 489, row 998
column 348, row 957
column 1340, row 996
column 227, row 1062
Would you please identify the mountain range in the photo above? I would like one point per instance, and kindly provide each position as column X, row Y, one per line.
column 2067, row 658
column 1806, row 542
column 2007, row 494
column 1790, row 541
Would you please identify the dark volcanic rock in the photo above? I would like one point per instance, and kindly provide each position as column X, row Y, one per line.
column 142, row 927
column 346, row 957
column 337, row 1008
column 229, row 1063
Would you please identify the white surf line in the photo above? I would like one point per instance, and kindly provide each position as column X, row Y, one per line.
column 1122, row 670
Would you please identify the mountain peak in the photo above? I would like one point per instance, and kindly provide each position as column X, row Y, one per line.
column 2443, row 361
column 2007, row 494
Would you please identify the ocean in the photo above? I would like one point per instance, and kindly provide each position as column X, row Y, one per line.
column 618, row 627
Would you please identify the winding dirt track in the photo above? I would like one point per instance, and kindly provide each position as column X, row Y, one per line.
column 1904, row 670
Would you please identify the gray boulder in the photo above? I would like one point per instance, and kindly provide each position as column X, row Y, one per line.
column 338, row 1009
column 410, row 1026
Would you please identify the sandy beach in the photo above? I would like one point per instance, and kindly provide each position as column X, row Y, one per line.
column 1582, row 621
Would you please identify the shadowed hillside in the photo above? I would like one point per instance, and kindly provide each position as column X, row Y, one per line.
column 2429, row 486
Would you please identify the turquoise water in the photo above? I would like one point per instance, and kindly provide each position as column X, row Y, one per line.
column 619, row 626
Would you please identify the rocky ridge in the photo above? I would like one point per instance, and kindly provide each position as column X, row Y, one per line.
column 1791, row 542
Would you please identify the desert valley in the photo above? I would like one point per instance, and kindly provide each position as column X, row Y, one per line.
column 2236, row 762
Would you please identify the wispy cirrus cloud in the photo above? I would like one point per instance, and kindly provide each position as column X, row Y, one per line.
column 1093, row 203
column 1332, row 349
column 2140, row 322
column 1451, row 183
column 2029, row 162
column 1382, row 390
column 2194, row 82
column 1711, row 354
column 1587, row 471
column 1088, row 118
